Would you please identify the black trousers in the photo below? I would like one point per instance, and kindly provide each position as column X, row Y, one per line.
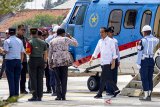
column 61, row 74
column 13, row 71
column 115, row 76
column 36, row 72
column 23, row 76
column 47, row 75
column 107, row 78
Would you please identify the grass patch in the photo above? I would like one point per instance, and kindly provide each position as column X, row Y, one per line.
column 9, row 101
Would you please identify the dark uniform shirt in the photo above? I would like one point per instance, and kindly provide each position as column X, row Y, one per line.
column 24, row 40
column 38, row 47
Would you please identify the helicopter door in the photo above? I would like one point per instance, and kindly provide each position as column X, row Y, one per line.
column 76, row 27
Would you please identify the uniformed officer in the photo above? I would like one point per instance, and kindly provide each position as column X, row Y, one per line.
column 106, row 47
column 3, row 55
column 37, row 61
column 20, row 34
column 145, row 61
column 13, row 47
column 110, row 33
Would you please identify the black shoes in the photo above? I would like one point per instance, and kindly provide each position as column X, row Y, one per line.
column 48, row 91
column 57, row 98
column 32, row 99
column 35, row 99
column 116, row 93
column 98, row 96
column 54, row 94
column 39, row 99
column 24, row 92
column 63, row 98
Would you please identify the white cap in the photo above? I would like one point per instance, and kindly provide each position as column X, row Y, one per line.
column 7, row 31
column 56, row 28
column 146, row 28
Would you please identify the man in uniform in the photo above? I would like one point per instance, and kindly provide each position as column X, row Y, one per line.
column 14, row 50
column 145, row 61
column 106, row 47
column 3, row 55
column 20, row 35
column 37, row 63
column 109, row 90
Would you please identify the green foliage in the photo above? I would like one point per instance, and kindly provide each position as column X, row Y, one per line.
column 41, row 20
column 7, row 6
column 9, row 100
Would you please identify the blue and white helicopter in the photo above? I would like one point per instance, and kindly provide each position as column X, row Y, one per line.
column 127, row 16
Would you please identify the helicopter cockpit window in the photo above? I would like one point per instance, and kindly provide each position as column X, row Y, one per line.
column 78, row 15
column 130, row 19
column 146, row 18
column 73, row 18
column 115, row 20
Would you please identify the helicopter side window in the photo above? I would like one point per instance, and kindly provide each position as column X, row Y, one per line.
column 146, row 18
column 115, row 20
column 78, row 15
column 72, row 21
column 130, row 19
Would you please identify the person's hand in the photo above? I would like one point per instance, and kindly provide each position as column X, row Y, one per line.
column 118, row 64
column 113, row 64
column 68, row 35
column 91, row 60
column 1, row 50
column 138, row 66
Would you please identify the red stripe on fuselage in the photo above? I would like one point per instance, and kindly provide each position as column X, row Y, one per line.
column 121, row 48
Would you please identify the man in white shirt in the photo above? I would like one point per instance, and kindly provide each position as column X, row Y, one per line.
column 109, row 90
column 106, row 47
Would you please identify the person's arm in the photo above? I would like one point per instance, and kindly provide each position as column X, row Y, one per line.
column 22, row 56
column 139, row 54
column 71, row 40
column 22, row 52
column 5, row 47
column 50, row 54
column 114, row 55
column 95, row 54
column 45, row 56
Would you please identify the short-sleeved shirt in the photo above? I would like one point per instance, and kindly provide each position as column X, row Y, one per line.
column 58, row 51
column 14, row 48
column 38, row 47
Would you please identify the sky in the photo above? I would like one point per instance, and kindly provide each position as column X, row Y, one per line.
column 36, row 4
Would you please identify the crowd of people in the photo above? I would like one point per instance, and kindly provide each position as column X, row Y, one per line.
column 48, row 53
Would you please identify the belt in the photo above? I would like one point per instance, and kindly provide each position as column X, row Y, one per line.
column 147, row 56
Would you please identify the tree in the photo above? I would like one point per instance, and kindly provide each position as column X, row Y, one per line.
column 49, row 5
column 7, row 6
column 41, row 20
